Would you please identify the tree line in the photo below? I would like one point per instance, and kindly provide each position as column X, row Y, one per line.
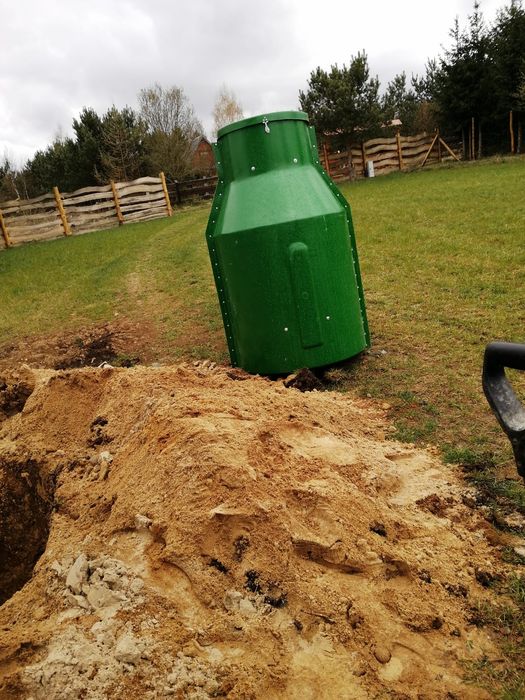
column 121, row 144
column 468, row 92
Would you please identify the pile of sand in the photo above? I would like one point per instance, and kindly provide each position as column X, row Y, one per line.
column 209, row 534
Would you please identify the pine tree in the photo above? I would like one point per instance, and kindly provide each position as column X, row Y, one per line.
column 344, row 101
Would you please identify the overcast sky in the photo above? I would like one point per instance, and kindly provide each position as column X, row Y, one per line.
column 56, row 57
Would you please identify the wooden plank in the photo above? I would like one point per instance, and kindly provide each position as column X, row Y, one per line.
column 511, row 132
column 92, row 189
column 130, row 202
column 100, row 197
column 385, row 155
column 34, row 200
column 142, row 215
column 399, row 151
column 5, row 233
column 429, row 150
column 95, row 218
column 117, row 203
column 61, row 211
column 379, row 142
column 449, row 149
column 417, row 137
column 160, row 215
column 29, row 234
column 326, row 160
column 416, row 150
column 22, row 208
column 35, row 227
column 385, row 163
column 28, row 218
column 140, row 181
column 99, row 225
column 143, row 207
column 134, row 189
column 103, row 206
column 382, row 148
column 166, row 195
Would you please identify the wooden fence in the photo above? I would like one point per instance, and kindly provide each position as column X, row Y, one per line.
column 387, row 155
column 92, row 208
column 88, row 209
column 189, row 190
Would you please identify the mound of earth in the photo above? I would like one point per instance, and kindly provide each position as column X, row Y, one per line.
column 195, row 532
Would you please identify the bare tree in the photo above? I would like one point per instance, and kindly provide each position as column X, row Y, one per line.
column 227, row 109
column 172, row 129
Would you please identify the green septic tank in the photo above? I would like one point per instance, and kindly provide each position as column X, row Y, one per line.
column 283, row 250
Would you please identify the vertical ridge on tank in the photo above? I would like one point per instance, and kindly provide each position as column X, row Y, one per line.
column 283, row 250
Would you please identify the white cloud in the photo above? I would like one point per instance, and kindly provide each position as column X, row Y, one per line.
column 58, row 57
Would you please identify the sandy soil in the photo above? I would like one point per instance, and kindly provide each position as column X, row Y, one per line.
column 201, row 533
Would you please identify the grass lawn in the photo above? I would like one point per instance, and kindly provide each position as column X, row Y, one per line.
column 442, row 256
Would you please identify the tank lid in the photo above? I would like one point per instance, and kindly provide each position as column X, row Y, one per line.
column 260, row 119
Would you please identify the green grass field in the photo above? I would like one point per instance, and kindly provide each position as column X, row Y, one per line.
column 442, row 256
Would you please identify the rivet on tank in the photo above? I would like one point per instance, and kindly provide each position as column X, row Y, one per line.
column 282, row 249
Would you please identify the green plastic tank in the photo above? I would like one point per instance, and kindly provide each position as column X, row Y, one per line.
column 283, row 250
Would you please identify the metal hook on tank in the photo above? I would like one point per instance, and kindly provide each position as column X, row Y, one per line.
column 266, row 127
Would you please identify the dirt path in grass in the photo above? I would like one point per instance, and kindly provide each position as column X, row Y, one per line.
column 207, row 534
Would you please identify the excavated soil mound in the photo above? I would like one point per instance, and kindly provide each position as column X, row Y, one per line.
column 219, row 535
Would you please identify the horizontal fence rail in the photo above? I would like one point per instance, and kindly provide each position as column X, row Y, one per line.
column 87, row 209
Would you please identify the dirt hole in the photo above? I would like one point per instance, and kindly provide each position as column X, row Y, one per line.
column 26, row 499
column 14, row 393
column 93, row 350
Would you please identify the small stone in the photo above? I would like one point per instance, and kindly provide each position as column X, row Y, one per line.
column 382, row 654
column 246, row 607
column 232, row 600
column 105, row 456
column 77, row 574
column 101, row 597
column 372, row 557
column 127, row 649
column 110, row 578
column 520, row 551
column 136, row 585
column 142, row 522
column 57, row 568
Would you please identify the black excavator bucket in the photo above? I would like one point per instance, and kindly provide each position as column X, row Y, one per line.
column 509, row 411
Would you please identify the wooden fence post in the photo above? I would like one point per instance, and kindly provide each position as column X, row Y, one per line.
column 117, row 203
column 5, row 232
column 472, row 140
column 62, row 212
column 399, row 150
column 511, row 130
column 326, row 161
column 166, row 195
column 448, row 149
column 363, row 156
column 430, row 149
